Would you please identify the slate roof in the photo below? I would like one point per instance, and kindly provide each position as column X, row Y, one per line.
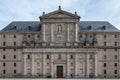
column 35, row 26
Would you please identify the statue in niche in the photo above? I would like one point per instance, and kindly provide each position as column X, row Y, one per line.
column 59, row 28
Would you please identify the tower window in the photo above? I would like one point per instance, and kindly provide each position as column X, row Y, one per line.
column 4, row 36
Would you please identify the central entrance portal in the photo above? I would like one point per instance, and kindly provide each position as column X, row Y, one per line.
column 59, row 71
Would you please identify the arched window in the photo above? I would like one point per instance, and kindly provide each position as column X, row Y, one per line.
column 59, row 28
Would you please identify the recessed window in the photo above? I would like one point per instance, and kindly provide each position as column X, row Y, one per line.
column 14, row 64
column 28, row 57
column 15, row 27
column 38, row 36
column 115, row 71
column 104, row 56
column 4, row 43
column 4, row 64
column 71, row 56
column 4, row 57
column 115, row 36
column 14, row 56
column 29, row 27
column 48, row 56
column 4, row 50
column 14, row 49
column 105, row 65
column 4, row 36
column 14, row 71
column 115, row 43
column 115, row 56
column 14, row 43
column 115, row 64
column 105, row 71
column 14, row 36
column 91, row 57
column 104, row 43
column 59, row 56
column 105, row 49
column 105, row 36
column 4, row 71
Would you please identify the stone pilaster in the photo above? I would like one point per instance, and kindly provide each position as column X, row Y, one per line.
column 68, row 33
column 76, row 73
column 51, row 32
column 76, row 32
column 96, row 64
column 52, row 69
column 33, row 72
column 43, row 32
column 25, row 69
column 87, row 65
column 67, row 64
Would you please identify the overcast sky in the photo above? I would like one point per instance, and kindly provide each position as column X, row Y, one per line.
column 30, row 10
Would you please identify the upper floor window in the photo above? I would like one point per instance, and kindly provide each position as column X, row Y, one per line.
column 4, row 64
column 4, row 50
column 14, row 43
column 105, row 56
column 115, row 43
column 59, row 56
column 4, row 36
column 29, row 27
column 4, row 57
column 14, row 56
column 105, row 64
column 4, row 43
column 115, row 56
column 4, row 71
column 29, row 36
column 14, row 64
column 105, row 71
column 104, row 43
column 14, row 36
column 115, row 36
column 115, row 64
column 115, row 71
column 105, row 36
column 14, row 71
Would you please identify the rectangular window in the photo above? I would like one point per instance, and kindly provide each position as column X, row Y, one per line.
column 105, row 56
column 14, row 56
column 4, row 64
column 104, row 43
column 14, row 71
column 71, row 56
column 115, row 36
column 4, row 36
column 4, row 71
column 14, row 64
column 48, row 56
column 4, row 57
column 14, row 43
column 115, row 71
column 28, row 56
column 115, row 64
column 105, row 36
column 115, row 56
column 115, row 43
column 59, row 57
column 4, row 50
column 4, row 43
column 105, row 71
column 105, row 65
column 14, row 36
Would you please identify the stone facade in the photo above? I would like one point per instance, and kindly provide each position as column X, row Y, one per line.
column 60, row 50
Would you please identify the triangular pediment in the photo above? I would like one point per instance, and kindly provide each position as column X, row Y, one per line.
column 60, row 14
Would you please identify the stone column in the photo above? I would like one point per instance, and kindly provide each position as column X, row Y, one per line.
column 43, row 64
column 87, row 64
column 68, row 32
column 96, row 64
column 33, row 72
column 51, row 32
column 43, row 32
column 76, row 32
